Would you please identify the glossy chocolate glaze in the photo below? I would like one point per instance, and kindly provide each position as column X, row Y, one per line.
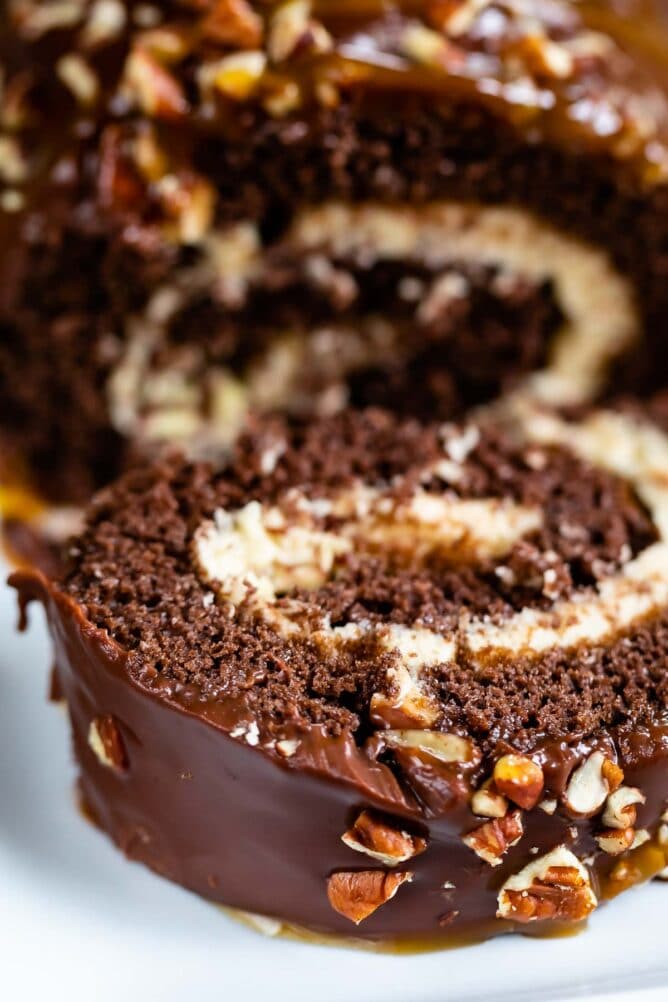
column 248, row 829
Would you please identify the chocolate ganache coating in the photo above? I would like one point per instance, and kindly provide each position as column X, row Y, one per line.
column 216, row 207
column 379, row 678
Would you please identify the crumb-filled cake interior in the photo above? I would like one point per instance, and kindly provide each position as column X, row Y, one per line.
column 368, row 572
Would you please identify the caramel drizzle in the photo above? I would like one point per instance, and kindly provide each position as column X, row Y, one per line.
column 361, row 59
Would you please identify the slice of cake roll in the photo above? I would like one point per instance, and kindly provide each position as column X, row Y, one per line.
column 381, row 679
column 215, row 206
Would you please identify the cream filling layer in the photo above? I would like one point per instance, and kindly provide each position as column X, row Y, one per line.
column 636, row 451
column 158, row 405
column 597, row 301
column 266, row 552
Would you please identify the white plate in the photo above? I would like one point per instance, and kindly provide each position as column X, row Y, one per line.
column 78, row 922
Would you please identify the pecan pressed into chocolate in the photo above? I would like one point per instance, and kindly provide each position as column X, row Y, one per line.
column 492, row 840
column 390, row 845
column 357, row 895
column 105, row 740
column 556, row 886
column 520, row 779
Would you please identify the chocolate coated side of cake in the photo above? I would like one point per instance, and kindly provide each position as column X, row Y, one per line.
column 409, row 679
column 289, row 207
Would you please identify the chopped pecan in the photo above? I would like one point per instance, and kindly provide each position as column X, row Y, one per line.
column 520, row 779
column 77, row 75
column 492, row 840
column 620, row 807
column 294, row 31
column 149, row 156
column 543, row 57
column 444, row 747
column 13, row 164
column 169, row 44
column 236, row 76
column 614, row 841
column 105, row 23
column 233, row 23
column 383, row 842
column 590, row 785
column 34, row 20
column 456, row 17
column 549, row 805
column 556, row 886
column 189, row 200
column 157, row 92
column 356, row 895
column 612, row 774
column 428, row 48
column 283, row 96
column 104, row 738
column 487, row 802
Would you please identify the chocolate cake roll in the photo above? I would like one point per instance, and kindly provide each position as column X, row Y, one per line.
column 211, row 206
column 381, row 679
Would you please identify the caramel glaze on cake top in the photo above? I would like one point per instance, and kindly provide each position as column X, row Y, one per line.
column 582, row 75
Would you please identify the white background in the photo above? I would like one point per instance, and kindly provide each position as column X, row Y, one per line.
column 78, row 922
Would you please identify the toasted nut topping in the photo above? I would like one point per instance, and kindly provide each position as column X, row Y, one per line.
column 236, row 76
column 78, row 77
column 620, row 807
column 283, row 99
column 588, row 787
column 548, row 805
column 233, row 23
column 615, row 840
column 381, row 841
column 358, row 895
column 424, row 46
column 487, row 802
column 105, row 740
column 12, row 201
column 456, row 16
column 612, row 774
column 156, row 91
column 543, row 57
column 106, row 21
column 520, row 779
column 641, row 836
column 493, row 839
column 41, row 18
column 293, row 30
column 149, row 156
column 444, row 747
column 556, row 886
column 190, row 201
column 167, row 44
column 13, row 167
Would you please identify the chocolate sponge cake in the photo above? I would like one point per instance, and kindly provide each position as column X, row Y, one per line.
column 211, row 206
column 380, row 678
